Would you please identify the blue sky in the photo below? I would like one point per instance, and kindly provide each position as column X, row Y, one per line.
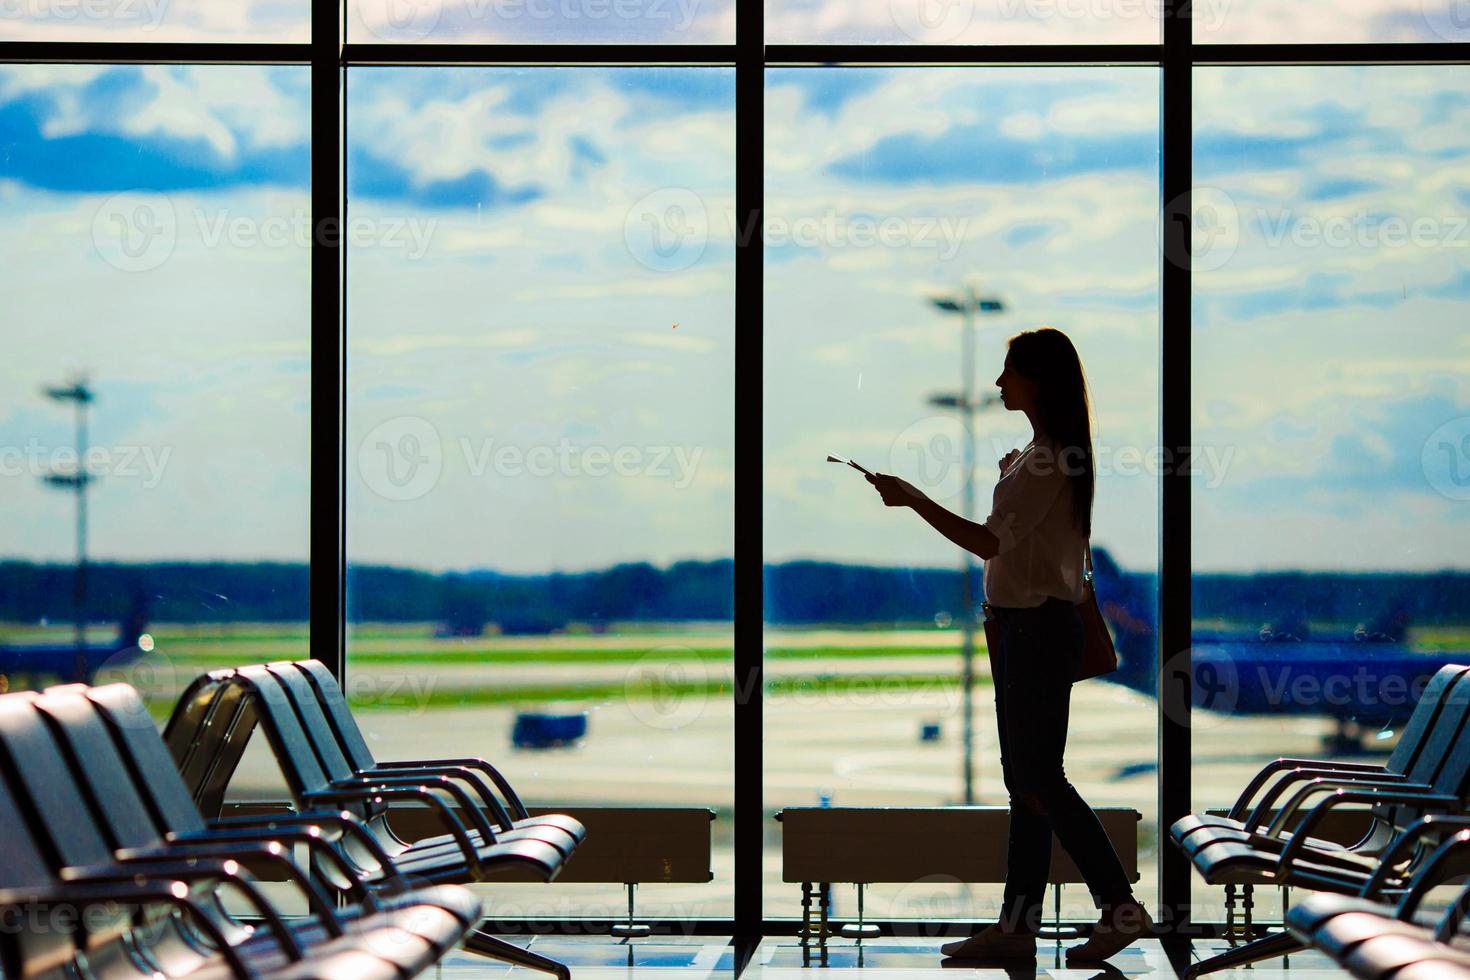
column 526, row 240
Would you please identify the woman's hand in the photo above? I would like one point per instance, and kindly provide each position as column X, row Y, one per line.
column 1008, row 459
column 896, row 492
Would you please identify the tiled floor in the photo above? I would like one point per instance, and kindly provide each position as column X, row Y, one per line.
column 686, row 958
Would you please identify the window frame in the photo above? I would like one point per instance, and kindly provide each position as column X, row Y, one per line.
column 1176, row 54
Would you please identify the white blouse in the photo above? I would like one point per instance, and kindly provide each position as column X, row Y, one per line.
column 1041, row 550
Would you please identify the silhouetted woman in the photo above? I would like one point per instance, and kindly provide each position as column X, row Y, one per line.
column 1033, row 544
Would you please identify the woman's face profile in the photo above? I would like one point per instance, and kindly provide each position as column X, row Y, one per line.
column 1017, row 392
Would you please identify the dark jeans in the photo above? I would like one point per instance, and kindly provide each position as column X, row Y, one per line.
column 1039, row 652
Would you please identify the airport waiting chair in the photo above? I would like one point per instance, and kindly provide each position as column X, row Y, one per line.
column 142, row 804
column 1408, row 807
column 1422, row 747
column 207, row 748
column 1375, row 941
column 301, row 749
column 207, row 733
column 472, row 850
column 56, row 850
column 338, row 720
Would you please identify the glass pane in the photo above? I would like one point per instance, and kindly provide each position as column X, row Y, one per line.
column 153, row 233
column 157, row 20
column 1332, row 406
column 1321, row 21
column 540, row 438
column 543, row 21
column 1030, row 196
column 962, row 21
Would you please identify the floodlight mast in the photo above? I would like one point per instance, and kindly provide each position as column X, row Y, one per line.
column 79, row 394
column 967, row 302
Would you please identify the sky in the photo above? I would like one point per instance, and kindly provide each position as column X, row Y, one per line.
column 541, row 307
column 713, row 21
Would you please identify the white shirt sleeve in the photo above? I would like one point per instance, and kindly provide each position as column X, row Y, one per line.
column 1023, row 496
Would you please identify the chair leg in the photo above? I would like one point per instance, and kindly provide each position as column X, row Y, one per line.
column 484, row 944
column 1279, row 944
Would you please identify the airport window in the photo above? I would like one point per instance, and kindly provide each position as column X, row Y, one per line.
column 156, row 251
column 353, row 307
column 871, row 244
column 1330, row 535
column 539, row 486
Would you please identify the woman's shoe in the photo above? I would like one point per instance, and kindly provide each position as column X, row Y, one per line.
column 991, row 944
column 1111, row 938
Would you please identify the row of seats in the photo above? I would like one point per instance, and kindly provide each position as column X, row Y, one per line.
column 1368, row 917
column 110, row 871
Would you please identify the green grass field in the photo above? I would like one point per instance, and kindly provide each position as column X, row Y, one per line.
column 464, row 669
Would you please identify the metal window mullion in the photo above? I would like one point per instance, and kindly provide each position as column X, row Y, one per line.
column 749, row 558
column 328, row 366
column 1174, row 598
column 154, row 53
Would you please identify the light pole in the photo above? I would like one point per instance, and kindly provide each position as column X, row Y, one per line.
column 77, row 481
column 967, row 303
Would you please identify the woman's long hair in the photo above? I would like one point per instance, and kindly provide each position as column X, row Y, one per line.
column 1064, row 410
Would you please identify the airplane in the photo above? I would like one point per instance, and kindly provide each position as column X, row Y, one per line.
column 1366, row 680
column 72, row 663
